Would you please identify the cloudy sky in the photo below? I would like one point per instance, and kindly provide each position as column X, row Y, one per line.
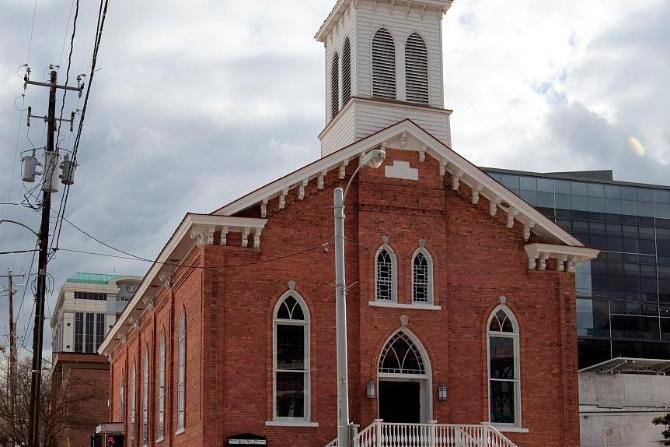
column 196, row 103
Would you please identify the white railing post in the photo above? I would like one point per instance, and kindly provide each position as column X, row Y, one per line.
column 433, row 433
column 485, row 434
column 378, row 429
column 353, row 433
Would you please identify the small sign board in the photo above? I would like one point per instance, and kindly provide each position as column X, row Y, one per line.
column 246, row 439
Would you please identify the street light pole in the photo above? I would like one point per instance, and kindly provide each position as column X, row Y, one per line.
column 341, row 324
column 373, row 159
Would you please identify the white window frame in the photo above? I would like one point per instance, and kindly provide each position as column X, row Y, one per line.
column 431, row 268
column 133, row 406
column 122, row 395
column 427, row 80
column 145, row 399
column 160, row 390
column 181, row 372
column 517, row 365
column 305, row 323
column 394, row 274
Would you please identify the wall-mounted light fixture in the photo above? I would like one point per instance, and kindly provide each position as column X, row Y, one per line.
column 372, row 389
column 442, row 392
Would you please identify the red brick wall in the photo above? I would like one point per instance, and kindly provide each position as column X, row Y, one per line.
column 476, row 258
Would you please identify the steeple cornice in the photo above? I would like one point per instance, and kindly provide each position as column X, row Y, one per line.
column 341, row 6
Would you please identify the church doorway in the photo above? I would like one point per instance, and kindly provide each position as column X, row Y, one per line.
column 404, row 383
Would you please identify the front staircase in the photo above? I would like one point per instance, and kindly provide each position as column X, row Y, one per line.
column 387, row 434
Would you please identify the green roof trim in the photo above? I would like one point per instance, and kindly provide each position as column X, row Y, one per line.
column 91, row 278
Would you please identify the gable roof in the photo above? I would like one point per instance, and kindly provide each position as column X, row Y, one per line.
column 460, row 169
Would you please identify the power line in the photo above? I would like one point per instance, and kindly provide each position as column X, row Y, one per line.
column 17, row 252
column 102, row 14
column 104, row 243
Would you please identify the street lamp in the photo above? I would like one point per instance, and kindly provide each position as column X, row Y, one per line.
column 373, row 159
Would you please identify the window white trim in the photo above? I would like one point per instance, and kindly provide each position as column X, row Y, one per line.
column 431, row 268
column 181, row 371
column 517, row 365
column 415, row 306
column 122, row 395
column 145, row 399
column 417, row 87
column 394, row 274
column 160, row 390
column 305, row 323
column 133, row 406
column 290, row 423
column 425, row 379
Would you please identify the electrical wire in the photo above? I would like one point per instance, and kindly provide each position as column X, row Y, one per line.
column 102, row 14
column 16, row 252
column 85, row 233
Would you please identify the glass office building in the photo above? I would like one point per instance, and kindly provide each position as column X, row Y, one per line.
column 623, row 297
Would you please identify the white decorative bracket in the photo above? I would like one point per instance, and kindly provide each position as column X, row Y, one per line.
column 224, row 235
column 443, row 168
column 343, row 169
column 493, row 206
column 538, row 254
column 282, row 198
column 526, row 230
column 301, row 190
column 456, row 179
column 257, row 238
column 320, row 180
column 543, row 261
column 245, row 238
column 422, row 153
column 203, row 235
column 264, row 208
column 511, row 215
column 403, row 139
column 475, row 193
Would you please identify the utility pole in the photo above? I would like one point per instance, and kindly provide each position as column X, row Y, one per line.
column 48, row 186
column 12, row 359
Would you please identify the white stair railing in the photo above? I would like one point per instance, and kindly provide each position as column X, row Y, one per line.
column 432, row 434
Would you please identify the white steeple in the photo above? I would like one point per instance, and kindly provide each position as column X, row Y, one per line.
column 383, row 65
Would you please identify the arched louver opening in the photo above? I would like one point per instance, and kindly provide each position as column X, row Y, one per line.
column 335, row 85
column 416, row 67
column 383, row 65
column 346, row 71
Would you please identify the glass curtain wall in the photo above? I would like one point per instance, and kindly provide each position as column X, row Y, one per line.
column 623, row 297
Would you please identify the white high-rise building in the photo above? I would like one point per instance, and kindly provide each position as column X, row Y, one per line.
column 87, row 307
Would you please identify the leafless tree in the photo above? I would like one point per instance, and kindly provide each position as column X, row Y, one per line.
column 62, row 407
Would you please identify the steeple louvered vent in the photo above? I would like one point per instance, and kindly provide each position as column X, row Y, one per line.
column 416, row 66
column 346, row 71
column 383, row 65
column 335, row 85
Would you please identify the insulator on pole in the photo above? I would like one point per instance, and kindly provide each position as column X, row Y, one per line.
column 71, row 123
column 30, row 109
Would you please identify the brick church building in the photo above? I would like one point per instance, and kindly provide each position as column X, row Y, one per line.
column 460, row 295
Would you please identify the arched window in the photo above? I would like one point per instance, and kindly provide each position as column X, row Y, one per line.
column 346, row 71
column 133, row 406
column 145, row 399
column 291, row 359
column 504, row 373
column 383, row 65
column 416, row 68
column 122, row 395
column 422, row 277
column 335, row 85
column 160, row 390
column 385, row 274
column 181, row 373
column 401, row 356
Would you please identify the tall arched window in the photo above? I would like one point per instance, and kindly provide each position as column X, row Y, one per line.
column 422, row 277
column 160, row 390
column 122, row 395
column 335, row 85
column 504, row 373
column 416, row 69
column 383, row 65
column 385, row 274
column 133, row 406
column 145, row 399
column 181, row 373
column 291, row 359
column 346, row 71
